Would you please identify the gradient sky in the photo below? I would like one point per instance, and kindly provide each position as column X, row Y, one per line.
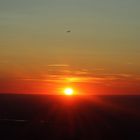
column 100, row 55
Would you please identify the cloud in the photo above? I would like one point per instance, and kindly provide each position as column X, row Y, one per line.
column 82, row 77
column 81, row 73
column 58, row 65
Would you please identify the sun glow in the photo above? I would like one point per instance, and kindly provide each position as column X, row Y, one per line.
column 68, row 91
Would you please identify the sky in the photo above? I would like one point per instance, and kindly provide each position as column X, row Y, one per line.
column 100, row 54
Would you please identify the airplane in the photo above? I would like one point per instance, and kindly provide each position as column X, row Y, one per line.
column 68, row 31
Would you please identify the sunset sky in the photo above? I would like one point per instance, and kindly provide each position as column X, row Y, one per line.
column 91, row 45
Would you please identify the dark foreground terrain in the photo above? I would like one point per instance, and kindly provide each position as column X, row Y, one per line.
column 41, row 117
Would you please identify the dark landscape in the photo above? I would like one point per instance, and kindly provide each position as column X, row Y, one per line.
column 44, row 117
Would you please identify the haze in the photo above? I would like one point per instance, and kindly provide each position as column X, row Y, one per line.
column 90, row 44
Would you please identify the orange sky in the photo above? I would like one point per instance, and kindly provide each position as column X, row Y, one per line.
column 84, row 82
column 100, row 54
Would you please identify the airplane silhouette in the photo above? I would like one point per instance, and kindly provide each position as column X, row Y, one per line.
column 69, row 31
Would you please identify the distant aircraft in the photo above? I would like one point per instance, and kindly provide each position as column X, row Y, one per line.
column 68, row 31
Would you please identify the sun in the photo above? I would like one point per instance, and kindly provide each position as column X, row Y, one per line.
column 69, row 91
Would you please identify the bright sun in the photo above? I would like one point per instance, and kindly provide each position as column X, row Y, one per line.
column 69, row 91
